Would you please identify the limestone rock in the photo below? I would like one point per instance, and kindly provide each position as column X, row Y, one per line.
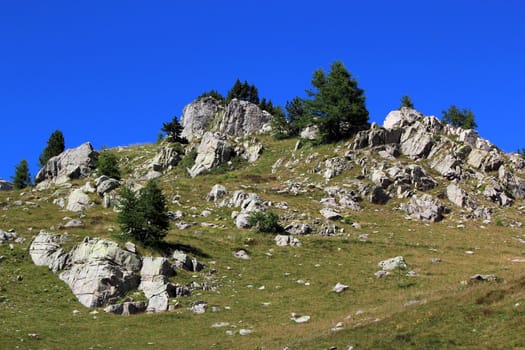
column 72, row 164
column 417, row 144
column 217, row 192
column 298, row 229
column 77, row 201
column 243, row 118
column 392, row 264
column 154, row 282
column 45, row 251
column 106, row 184
column 198, row 116
column 126, row 308
column 310, row 133
column 459, row 197
column 184, row 261
column 424, row 208
column 330, row 214
column 379, row 196
column 339, row 288
column 5, row 185
column 166, row 158
column 286, row 240
column 402, row 117
column 212, row 151
column 98, row 272
column 250, row 151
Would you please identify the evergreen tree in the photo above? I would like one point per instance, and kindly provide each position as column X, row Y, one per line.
column 406, row 101
column 55, row 146
column 280, row 129
column 212, row 93
column 456, row 117
column 22, row 178
column 337, row 103
column 173, row 130
column 297, row 117
column 107, row 164
column 235, row 91
column 144, row 216
column 243, row 91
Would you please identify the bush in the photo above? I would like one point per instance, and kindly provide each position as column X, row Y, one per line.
column 406, row 101
column 456, row 117
column 107, row 164
column 144, row 216
column 265, row 222
column 189, row 159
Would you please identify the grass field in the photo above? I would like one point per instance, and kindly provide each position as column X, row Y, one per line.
column 439, row 307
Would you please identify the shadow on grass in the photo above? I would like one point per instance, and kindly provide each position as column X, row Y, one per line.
column 166, row 248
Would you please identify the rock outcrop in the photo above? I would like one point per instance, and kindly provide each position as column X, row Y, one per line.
column 5, row 185
column 212, row 151
column 71, row 164
column 238, row 118
column 424, row 208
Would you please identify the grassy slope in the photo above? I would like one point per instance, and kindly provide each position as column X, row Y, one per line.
column 374, row 312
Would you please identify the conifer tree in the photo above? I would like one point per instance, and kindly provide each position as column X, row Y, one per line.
column 406, row 101
column 456, row 117
column 55, row 146
column 22, row 178
column 173, row 130
column 107, row 164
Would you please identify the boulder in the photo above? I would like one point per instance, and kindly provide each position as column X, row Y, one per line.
column 513, row 184
column 401, row 118
column 98, row 272
column 126, row 308
column 310, row 132
column 393, row 264
column 242, row 220
column 5, row 185
column 72, row 164
column 250, row 151
column 379, row 196
column 298, row 229
column 339, row 287
column 154, row 282
column 335, row 166
column 330, row 214
column 217, row 192
column 166, row 158
column 418, row 144
column 458, row 196
column 45, row 251
column 184, row 261
column 243, row 118
column 448, row 166
column 198, row 116
column 212, row 151
column 424, row 208
column 287, row 240
column 106, row 184
column 77, row 201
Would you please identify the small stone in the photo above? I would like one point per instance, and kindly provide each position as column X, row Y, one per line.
column 220, row 325
column 76, row 312
column 33, row 336
column 339, row 288
column 436, row 260
column 245, row 331
column 241, row 254
column 302, row 319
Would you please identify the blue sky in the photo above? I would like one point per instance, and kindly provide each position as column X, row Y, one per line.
column 111, row 72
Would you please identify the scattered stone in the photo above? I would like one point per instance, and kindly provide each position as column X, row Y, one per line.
column 483, row 278
column 301, row 319
column 198, row 307
column 330, row 214
column 77, row 201
column 220, row 325
column 436, row 260
column 74, row 223
column 392, row 264
column 241, row 254
column 338, row 327
column 339, row 288
column 287, row 240
column 130, row 247
column 245, row 331
column 216, row 193
column 424, row 208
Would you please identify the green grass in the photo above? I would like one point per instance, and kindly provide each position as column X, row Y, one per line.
column 431, row 310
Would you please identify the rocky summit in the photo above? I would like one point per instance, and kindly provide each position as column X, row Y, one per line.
column 402, row 218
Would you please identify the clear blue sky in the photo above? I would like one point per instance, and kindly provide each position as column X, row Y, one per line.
column 111, row 72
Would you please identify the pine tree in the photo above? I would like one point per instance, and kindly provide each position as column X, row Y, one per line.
column 337, row 103
column 55, row 146
column 406, row 101
column 280, row 128
column 144, row 216
column 173, row 130
column 235, row 91
column 456, row 117
column 22, row 178
column 297, row 117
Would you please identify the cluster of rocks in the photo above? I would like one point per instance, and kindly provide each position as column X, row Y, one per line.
column 99, row 272
column 5, row 185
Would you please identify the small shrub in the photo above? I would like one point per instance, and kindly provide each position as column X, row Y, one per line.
column 107, row 164
column 265, row 222
column 189, row 159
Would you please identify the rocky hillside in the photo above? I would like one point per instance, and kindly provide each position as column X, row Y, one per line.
column 385, row 205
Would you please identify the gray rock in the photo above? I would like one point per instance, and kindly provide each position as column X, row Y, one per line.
column 250, row 151
column 198, row 116
column 448, row 166
column 74, row 223
column 71, row 164
column 154, row 282
column 330, row 214
column 198, row 307
column 243, row 118
column 417, row 145
column 126, row 308
column 286, row 240
column 98, row 272
column 424, row 208
column 130, row 247
column 339, row 288
column 402, row 117
column 310, row 133
column 241, row 254
column 483, row 278
column 242, row 220
column 9, row 236
column 106, row 184
column 379, row 196
column 298, row 229
column 5, row 185
column 513, row 184
column 393, row 264
column 335, row 166
column 457, row 196
column 45, row 251
column 217, row 192
column 212, row 151
column 184, row 261
column 77, row 201
column 166, row 158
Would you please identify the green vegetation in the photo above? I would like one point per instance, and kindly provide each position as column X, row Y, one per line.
column 188, row 160
column 55, row 146
column 108, row 164
column 144, row 217
column 265, row 222
column 22, row 178
column 173, row 130
column 456, row 117
column 406, row 101
column 212, row 93
column 243, row 91
column 337, row 104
